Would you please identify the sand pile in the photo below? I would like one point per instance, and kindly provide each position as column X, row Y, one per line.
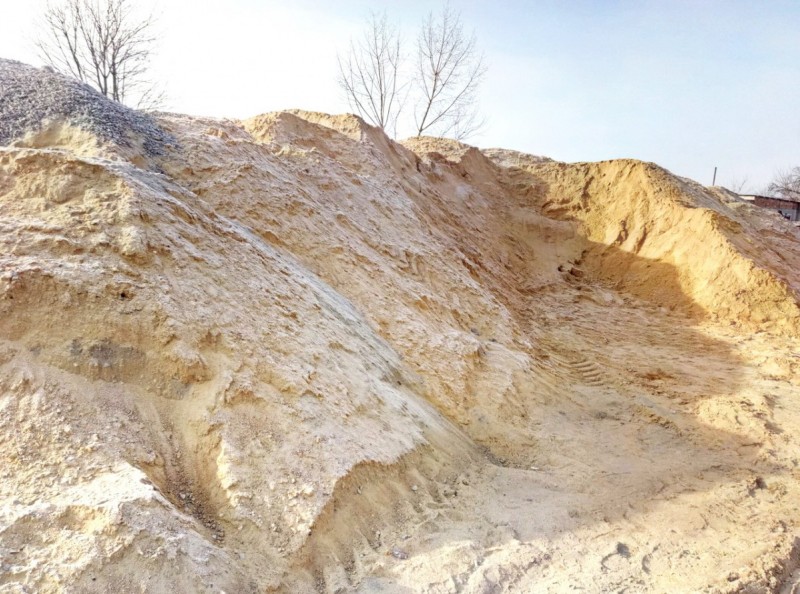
column 672, row 242
column 287, row 354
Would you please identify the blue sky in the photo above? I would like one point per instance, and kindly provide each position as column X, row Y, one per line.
column 688, row 84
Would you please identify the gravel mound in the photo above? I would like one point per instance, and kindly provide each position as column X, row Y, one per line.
column 29, row 96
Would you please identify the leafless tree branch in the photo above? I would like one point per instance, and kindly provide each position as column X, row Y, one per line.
column 369, row 74
column 786, row 184
column 737, row 184
column 449, row 73
column 101, row 43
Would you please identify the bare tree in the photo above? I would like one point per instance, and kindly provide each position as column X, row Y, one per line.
column 102, row 43
column 737, row 184
column 449, row 72
column 369, row 74
column 786, row 184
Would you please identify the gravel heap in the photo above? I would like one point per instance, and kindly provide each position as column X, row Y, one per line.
column 29, row 96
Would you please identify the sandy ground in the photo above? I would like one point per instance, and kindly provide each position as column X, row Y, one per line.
column 290, row 355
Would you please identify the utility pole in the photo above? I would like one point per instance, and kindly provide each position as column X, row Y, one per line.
column 714, row 181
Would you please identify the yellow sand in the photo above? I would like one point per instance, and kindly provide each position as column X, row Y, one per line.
column 293, row 356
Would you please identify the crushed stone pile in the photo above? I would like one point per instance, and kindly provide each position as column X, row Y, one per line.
column 287, row 354
column 33, row 97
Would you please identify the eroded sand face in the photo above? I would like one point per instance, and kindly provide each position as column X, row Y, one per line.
column 290, row 355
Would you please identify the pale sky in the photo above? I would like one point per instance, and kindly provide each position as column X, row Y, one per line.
column 688, row 84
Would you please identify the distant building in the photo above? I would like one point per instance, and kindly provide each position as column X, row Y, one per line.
column 789, row 209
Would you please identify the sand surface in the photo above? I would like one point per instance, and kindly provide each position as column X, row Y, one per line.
column 287, row 354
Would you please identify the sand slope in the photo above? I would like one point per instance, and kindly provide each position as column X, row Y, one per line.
column 287, row 354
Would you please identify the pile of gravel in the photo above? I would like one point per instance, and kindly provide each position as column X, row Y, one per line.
column 29, row 96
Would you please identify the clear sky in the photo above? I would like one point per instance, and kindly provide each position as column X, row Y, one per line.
column 688, row 84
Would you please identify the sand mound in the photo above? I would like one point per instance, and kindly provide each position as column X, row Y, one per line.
column 288, row 354
column 672, row 242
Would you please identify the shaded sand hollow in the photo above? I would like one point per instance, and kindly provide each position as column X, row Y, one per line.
column 288, row 354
